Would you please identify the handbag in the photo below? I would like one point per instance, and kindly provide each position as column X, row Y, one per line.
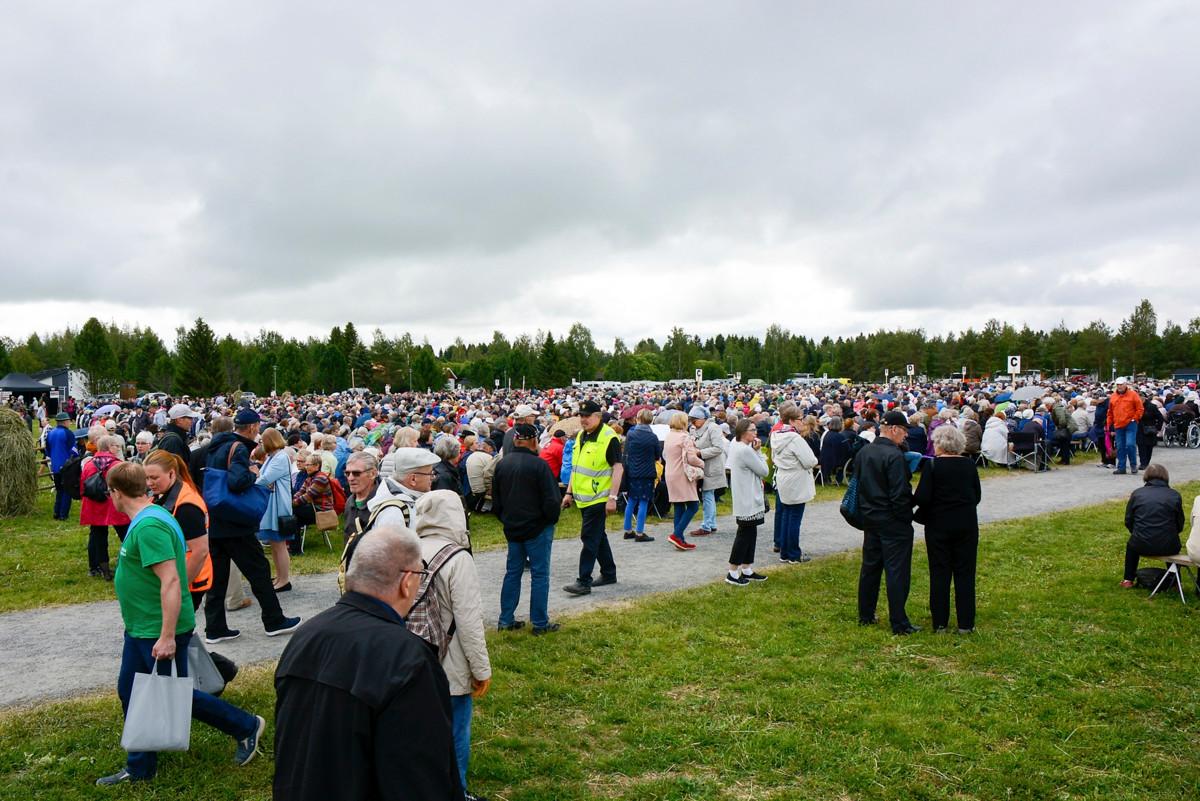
column 286, row 525
column 326, row 520
column 245, row 508
column 205, row 676
column 159, row 716
column 849, row 507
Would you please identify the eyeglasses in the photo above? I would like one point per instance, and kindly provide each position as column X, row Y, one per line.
column 421, row 573
column 357, row 473
column 429, row 473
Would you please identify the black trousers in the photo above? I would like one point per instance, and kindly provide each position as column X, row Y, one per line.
column 595, row 545
column 247, row 554
column 952, row 556
column 1062, row 442
column 886, row 551
column 98, row 545
column 742, row 552
column 1145, row 446
column 1133, row 550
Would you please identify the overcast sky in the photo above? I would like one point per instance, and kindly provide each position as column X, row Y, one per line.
column 446, row 170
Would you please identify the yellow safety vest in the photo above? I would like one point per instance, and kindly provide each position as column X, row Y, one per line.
column 591, row 474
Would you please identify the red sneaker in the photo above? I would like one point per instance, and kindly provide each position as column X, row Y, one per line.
column 680, row 544
column 1127, row 584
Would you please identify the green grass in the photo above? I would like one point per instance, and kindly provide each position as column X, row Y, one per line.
column 1071, row 688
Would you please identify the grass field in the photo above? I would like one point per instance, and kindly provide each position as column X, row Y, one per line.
column 1070, row 688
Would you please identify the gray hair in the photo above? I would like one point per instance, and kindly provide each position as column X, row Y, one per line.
column 447, row 447
column 834, row 424
column 949, row 440
column 107, row 442
column 405, row 437
column 381, row 559
column 144, row 438
column 366, row 460
column 221, row 424
column 947, row 413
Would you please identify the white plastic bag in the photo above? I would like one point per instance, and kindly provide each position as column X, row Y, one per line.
column 205, row 676
column 160, row 712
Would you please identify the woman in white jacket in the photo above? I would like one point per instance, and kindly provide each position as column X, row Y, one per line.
column 747, row 469
column 995, row 438
column 794, row 463
column 441, row 523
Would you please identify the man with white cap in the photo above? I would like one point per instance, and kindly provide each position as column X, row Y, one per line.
column 175, row 437
column 523, row 414
column 1124, row 413
column 412, row 477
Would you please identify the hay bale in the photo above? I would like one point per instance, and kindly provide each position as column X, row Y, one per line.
column 18, row 466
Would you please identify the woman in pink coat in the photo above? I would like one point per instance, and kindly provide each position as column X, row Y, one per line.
column 680, row 456
column 99, row 515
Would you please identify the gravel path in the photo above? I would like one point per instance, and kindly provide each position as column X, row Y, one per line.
column 67, row 650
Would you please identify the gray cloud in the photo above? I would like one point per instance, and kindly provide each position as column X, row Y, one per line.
column 914, row 164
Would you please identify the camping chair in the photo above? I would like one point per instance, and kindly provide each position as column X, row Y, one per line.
column 1026, row 448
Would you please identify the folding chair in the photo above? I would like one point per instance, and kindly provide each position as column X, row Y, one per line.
column 1174, row 562
column 1023, row 449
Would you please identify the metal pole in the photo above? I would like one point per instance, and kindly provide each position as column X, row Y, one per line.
column 275, row 379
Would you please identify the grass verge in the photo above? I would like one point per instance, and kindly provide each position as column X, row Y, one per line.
column 1071, row 688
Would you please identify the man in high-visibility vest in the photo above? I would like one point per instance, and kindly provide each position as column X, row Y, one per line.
column 595, row 480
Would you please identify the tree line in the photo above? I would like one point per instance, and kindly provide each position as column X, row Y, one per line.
column 201, row 364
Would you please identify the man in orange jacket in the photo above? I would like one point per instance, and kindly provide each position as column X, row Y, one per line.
column 1124, row 413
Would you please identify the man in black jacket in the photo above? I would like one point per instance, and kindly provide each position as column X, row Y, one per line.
column 233, row 540
column 885, row 498
column 362, row 707
column 174, row 438
column 525, row 498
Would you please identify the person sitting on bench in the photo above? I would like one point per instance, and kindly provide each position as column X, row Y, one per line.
column 1154, row 517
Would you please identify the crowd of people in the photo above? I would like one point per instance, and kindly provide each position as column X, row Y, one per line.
column 203, row 485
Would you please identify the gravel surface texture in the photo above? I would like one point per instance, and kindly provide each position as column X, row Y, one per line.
column 67, row 650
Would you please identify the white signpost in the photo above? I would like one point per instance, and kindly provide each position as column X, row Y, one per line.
column 911, row 369
column 964, row 372
column 497, row 383
column 737, row 378
column 1014, row 367
column 699, row 375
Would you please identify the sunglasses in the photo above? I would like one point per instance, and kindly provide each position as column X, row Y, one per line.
column 357, row 473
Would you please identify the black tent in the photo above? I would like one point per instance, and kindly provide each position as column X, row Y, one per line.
column 21, row 384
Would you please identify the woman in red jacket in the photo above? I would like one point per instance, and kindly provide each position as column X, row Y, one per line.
column 97, row 514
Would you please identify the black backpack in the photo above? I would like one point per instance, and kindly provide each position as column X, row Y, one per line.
column 70, row 475
column 96, row 487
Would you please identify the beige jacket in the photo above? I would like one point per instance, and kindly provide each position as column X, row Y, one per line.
column 1193, row 543
column 440, row 521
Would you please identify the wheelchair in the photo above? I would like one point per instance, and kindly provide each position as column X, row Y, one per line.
column 1181, row 431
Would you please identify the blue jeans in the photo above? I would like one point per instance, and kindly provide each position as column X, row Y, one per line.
column 708, row 498
column 461, row 707
column 684, row 512
column 790, row 517
column 225, row 717
column 1125, row 440
column 642, row 507
column 537, row 550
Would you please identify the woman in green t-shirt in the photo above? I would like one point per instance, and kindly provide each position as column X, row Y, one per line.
column 150, row 580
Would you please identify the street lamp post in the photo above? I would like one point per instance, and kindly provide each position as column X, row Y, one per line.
column 274, row 379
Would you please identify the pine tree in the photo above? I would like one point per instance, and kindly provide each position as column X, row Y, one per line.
column 426, row 372
column 198, row 362
column 94, row 355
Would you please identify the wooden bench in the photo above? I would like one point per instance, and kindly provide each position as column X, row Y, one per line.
column 1174, row 562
